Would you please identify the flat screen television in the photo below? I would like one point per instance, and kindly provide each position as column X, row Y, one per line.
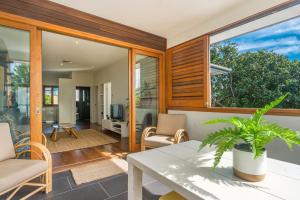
column 116, row 112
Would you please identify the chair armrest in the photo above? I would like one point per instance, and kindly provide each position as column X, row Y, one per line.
column 46, row 155
column 44, row 140
column 148, row 131
column 181, row 134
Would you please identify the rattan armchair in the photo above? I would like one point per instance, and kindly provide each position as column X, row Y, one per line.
column 170, row 130
column 16, row 173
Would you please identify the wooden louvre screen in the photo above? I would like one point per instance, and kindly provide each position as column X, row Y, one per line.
column 187, row 74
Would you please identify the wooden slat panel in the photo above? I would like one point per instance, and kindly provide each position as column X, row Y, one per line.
column 187, row 74
column 57, row 14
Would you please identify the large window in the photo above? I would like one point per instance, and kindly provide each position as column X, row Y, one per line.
column 257, row 67
column 50, row 94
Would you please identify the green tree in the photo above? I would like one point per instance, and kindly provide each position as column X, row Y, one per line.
column 256, row 78
column 20, row 76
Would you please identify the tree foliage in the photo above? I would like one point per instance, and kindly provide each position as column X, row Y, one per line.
column 21, row 77
column 254, row 131
column 256, row 78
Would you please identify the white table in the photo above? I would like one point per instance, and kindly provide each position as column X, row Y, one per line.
column 188, row 172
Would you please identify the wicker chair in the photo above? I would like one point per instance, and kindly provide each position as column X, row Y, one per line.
column 16, row 173
column 170, row 130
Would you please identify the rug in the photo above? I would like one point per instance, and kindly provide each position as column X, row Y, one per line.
column 98, row 170
column 86, row 138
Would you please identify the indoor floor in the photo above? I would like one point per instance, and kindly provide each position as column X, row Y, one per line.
column 65, row 160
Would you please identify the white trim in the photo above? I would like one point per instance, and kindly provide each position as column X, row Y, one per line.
column 269, row 20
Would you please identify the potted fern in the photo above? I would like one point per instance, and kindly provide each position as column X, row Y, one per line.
column 248, row 138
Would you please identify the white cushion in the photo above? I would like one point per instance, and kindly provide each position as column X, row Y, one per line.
column 158, row 141
column 16, row 171
column 7, row 150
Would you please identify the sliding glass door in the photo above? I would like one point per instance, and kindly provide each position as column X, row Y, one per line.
column 145, row 94
column 14, row 81
column 17, row 68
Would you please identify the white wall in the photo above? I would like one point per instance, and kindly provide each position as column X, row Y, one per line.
column 117, row 74
column 83, row 78
column 193, row 30
column 51, row 78
column 198, row 130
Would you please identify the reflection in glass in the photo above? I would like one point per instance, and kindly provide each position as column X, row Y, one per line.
column 146, row 98
column 14, row 82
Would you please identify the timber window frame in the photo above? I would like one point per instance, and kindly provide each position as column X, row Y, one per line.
column 268, row 20
column 50, row 88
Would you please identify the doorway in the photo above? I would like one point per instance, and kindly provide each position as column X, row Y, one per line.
column 83, row 104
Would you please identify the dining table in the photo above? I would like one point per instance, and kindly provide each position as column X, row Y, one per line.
column 189, row 172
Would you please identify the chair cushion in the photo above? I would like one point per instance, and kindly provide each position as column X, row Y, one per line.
column 7, row 150
column 158, row 141
column 168, row 124
column 15, row 171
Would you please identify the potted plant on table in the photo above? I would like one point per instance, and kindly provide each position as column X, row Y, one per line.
column 247, row 137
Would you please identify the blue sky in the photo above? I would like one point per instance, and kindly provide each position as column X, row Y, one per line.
column 283, row 38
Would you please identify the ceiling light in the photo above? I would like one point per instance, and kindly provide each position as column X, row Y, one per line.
column 61, row 64
column 76, row 42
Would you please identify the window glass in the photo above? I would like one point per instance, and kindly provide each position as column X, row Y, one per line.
column 15, row 82
column 55, row 96
column 47, row 95
column 77, row 95
column 253, row 69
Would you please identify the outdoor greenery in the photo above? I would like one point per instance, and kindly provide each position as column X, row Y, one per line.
column 254, row 131
column 20, row 76
column 256, row 78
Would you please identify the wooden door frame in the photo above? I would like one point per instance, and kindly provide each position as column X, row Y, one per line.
column 36, row 27
column 161, row 91
column 35, row 77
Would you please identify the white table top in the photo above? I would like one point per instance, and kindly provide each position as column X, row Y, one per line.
column 187, row 171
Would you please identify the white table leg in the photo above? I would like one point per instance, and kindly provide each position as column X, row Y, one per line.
column 135, row 182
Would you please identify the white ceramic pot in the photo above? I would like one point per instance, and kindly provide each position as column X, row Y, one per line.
column 246, row 167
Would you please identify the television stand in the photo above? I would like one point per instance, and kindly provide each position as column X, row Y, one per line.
column 119, row 127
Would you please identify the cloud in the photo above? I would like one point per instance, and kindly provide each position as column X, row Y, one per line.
column 268, row 44
column 282, row 38
column 287, row 50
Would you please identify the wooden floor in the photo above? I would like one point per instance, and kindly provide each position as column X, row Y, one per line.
column 65, row 160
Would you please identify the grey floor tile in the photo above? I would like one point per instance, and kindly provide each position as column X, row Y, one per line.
column 59, row 186
column 26, row 190
column 3, row 197
column 90, row 192
column 115, row 185
column 61, row 175
column 123, row 196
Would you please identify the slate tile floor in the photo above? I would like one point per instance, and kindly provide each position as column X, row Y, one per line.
column 110, row 188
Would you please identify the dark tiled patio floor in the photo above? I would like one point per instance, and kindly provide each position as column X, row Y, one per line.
column 110, row 188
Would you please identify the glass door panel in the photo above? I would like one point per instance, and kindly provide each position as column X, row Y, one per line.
column 146, row 93
column 15, row 82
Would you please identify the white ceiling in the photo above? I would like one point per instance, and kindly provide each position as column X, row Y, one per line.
column 159, row 17
column 84, row 54
column 176, row 20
